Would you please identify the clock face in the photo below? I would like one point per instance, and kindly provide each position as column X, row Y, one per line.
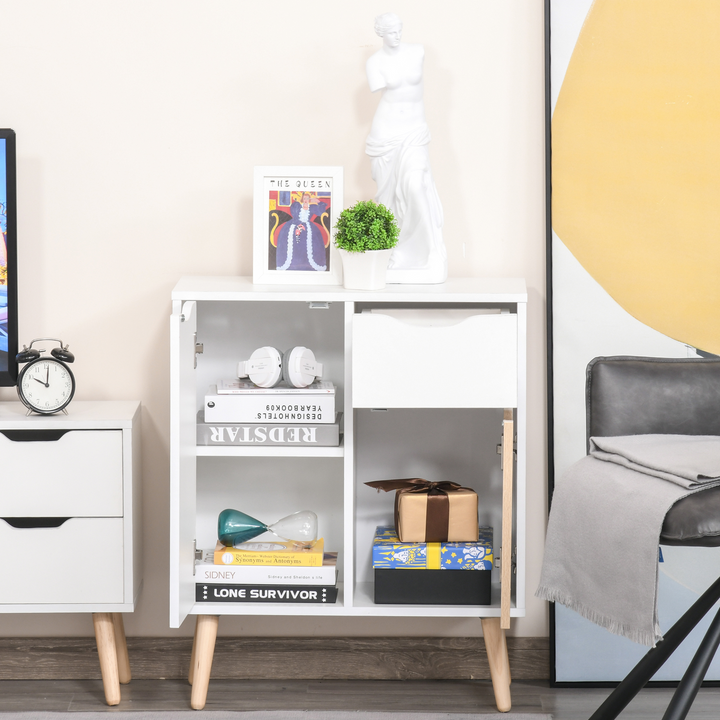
column 46, row 386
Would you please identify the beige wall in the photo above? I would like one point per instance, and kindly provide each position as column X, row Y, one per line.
column 139, row 123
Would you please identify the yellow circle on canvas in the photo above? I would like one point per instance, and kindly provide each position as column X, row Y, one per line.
column 636, row 161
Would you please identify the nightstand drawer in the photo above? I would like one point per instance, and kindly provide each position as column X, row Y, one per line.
column 81, row 561
column 46, row 473
column 438, row 358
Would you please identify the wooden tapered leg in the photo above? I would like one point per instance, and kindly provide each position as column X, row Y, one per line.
column 107, row 652
column 191, row 671
column 496, row 647
column 203, row 648
column 123, row 659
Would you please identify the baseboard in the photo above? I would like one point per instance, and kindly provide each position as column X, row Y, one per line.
column 238, row 658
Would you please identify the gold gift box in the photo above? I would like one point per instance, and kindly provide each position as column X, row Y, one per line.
column 412, row 509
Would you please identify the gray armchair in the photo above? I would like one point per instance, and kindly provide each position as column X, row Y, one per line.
column 638, row 396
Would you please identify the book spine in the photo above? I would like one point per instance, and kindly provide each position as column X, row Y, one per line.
column 317, row 435
column 233, row 556
column 264, row 594
column 311, row 409
column 261, row 575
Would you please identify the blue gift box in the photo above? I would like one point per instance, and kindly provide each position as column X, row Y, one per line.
column 388, row 552
column 422, row 580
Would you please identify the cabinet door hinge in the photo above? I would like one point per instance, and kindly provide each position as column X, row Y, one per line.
column 497, row 560
column 199, row 349
column 498, row 450
column 197, row 554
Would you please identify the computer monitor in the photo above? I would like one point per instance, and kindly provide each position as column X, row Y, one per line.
column 8, row 260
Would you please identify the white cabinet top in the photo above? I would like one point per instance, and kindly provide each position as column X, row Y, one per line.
column 455, row 290
column 82, row 415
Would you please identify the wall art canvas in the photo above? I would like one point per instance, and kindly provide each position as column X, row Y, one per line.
column 633, row 107
column 295, row 210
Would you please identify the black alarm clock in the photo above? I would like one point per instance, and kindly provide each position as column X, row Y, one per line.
column 46, row 384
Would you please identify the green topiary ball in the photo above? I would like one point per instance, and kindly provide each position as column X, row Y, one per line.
column 366, row 225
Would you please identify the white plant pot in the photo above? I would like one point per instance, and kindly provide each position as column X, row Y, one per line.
column 365, row 270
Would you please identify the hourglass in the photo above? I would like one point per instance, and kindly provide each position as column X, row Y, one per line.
column 235, row 527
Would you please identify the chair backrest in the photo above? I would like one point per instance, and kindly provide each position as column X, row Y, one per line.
column 640, row 396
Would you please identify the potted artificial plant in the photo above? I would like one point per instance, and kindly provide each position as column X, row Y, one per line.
column 366, row 235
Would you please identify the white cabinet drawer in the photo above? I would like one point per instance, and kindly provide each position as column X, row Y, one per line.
column 79, row 474
column 79, row 562
column 434, row 359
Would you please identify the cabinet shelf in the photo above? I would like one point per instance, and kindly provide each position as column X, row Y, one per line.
column 365, row 605
column 337, row 451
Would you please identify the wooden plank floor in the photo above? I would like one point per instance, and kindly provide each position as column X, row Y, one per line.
column 379, row 695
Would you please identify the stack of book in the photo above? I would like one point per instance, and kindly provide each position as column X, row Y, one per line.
column 435, row 573
column 238, row 412
column 267, row 572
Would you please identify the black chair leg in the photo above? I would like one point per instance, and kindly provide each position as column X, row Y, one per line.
column 688, row 688
column 654, row 659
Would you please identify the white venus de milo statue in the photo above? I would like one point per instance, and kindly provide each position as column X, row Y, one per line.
column 399, row 157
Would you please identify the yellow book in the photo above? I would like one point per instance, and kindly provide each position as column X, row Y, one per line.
column 270, row 553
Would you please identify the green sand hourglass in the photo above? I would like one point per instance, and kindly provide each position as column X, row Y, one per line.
column 235, row 527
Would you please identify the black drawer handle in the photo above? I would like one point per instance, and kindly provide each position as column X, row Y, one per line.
column 33, row 435
column 35, row 522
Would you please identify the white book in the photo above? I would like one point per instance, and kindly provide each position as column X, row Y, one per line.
column 248, row 387
column 296, row 407
column 207, row 572
column 293, row 435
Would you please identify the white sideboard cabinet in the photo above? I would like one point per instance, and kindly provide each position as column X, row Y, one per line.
column 70, row 519
column 431, row 383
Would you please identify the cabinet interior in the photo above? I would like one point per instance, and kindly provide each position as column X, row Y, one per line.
column 458, row 444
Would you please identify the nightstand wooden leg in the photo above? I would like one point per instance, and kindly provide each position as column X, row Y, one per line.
column 105, row 639
column 121, row 647
column 191, row 671
column 496, row 647
column 203, row 648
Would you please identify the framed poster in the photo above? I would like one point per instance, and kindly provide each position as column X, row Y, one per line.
column 633, row 249
column 294, row 212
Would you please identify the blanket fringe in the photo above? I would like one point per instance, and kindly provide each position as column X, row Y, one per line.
column 641, row 637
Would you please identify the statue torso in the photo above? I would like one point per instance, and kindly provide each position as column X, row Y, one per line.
column 400, row 76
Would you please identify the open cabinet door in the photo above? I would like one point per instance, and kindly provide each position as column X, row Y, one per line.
column 183, row 472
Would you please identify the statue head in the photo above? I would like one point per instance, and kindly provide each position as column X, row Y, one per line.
column 388, row 21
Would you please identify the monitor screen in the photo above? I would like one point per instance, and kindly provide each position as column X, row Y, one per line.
column 8, row 262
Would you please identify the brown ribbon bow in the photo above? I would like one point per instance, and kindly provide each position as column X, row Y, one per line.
column 437, row 517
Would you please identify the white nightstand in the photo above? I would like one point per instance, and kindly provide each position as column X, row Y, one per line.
column 70, row 519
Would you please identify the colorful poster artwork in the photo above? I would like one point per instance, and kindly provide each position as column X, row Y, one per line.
column 299, row 227
column 633, row 250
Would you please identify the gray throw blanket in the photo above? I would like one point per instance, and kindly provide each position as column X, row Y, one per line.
column 601, row 551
